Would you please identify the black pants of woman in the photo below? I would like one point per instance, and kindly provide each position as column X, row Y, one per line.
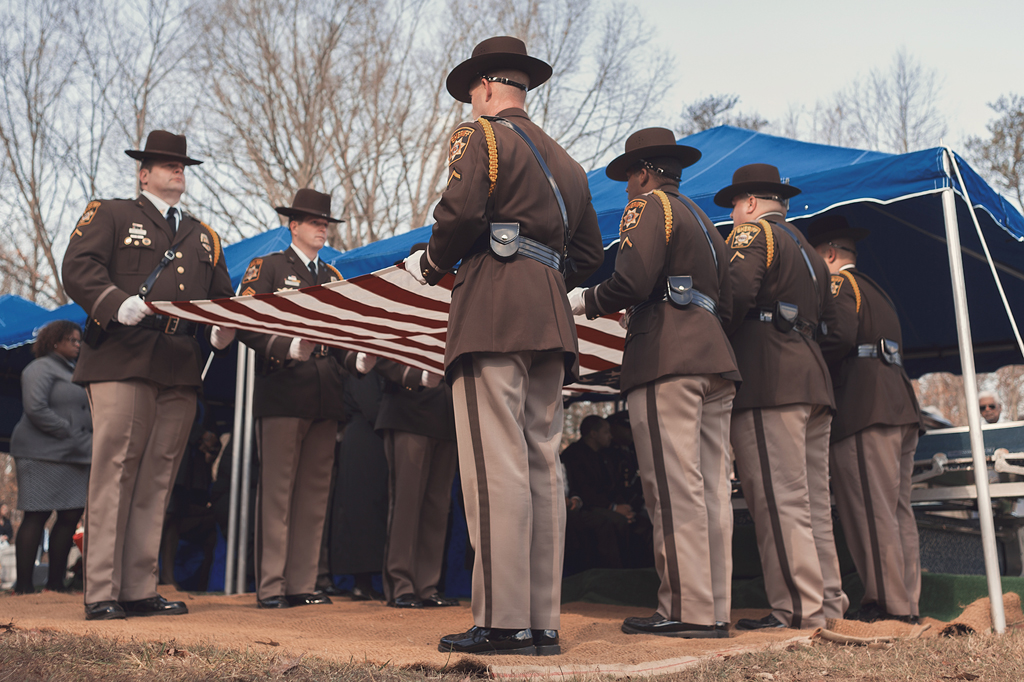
column 30, row 534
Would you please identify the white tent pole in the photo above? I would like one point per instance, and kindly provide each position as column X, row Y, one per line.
column 984, row 246
column 963, row 327
column 243, row 510
column 236, row 466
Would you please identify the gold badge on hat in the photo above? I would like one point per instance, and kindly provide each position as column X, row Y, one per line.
column 457, row 145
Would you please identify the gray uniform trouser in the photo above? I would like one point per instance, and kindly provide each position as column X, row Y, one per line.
column 508, row 418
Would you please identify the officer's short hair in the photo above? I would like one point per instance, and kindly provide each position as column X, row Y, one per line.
column 590, row 424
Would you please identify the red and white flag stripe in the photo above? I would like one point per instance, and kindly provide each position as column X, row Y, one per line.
column 385, row 313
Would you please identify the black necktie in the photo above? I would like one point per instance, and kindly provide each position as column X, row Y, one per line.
column 312, row 268
column 172, row 218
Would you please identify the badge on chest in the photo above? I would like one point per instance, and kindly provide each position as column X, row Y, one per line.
column 290, row 282
column 137, row 236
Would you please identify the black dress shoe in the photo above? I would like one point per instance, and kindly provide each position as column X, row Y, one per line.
column 154, row 606
column 872, row 612
column 489, row 641
column 546, row 642
column 307, row 599
column 766, row 623
column 103, row 610
column 659, row 625
column 361, row 594
column 278, row 602
column 406, row 601
column 437, row 600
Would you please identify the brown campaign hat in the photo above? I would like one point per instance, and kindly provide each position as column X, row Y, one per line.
column 649, row 144
column 309, row 202
column 830, row 227
column 161, row 144
column 501, row 52
column 753, row 178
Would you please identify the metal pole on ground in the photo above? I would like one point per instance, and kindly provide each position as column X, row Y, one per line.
column 963, row 327
column 236, row 460
column 243, row 526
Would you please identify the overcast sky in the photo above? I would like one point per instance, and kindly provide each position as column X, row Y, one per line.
column 798, row 51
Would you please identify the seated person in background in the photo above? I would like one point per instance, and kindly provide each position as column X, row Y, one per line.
column 622, row 455
column 989, row 405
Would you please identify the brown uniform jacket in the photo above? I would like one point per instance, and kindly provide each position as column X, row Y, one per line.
column 311, row 389
column 517, row 305
column 662, row 339
column 868, row 391
column 778, row 368
column 113, row 249
column 408, row 407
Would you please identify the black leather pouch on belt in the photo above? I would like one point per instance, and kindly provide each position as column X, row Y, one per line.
column 888, row 351
column 504, row 241
column 785, row 316
column 94, row 334
column 680, row 289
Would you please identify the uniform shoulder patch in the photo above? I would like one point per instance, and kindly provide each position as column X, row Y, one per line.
column 252, row 273
column 457, row 145
column 249, row 291
column 743, row 236
column 335, row 274
column 631, row 215
column 837, row 284
column 88, row 214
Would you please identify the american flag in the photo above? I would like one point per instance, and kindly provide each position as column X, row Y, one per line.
column 388, row 314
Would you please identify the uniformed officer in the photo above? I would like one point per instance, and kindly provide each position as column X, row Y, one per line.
column 874, row 431
column 782, row 412
column 141, row 371
column 679, row 374
column 297, row 404
column 511, row 339
column 417, row 423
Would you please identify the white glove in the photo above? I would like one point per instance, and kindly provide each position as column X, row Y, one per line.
column 413, row 265
column 300, row 349
column 365, row 362
column 221, row 337
column 429, row 379
column 624, row 320
column 577, row 302
column 132, row 311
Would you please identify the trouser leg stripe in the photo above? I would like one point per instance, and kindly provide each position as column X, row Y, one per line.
column 869, row 513
column 665, row 502
column 773, row 516
column 473, row 412
column 258, row 524
column 389, row 582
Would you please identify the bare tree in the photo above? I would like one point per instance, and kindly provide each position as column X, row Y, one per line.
column 716, row 110
column 1001, row 157
column 892, row 110
column 35, row 152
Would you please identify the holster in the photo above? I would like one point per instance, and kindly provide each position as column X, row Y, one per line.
column 679, row 289
column 504, row 242
column 785, row 316
column 888, row 351
column 94, row 334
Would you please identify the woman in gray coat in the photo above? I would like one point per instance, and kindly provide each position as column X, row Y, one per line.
column 52, row 448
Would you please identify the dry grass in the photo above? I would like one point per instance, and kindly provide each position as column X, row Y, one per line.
column 34, row 655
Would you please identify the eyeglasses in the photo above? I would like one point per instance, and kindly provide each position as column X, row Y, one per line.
column 842, row 248
column 988, row 407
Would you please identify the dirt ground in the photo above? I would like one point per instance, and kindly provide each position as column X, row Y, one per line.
column 347, row 631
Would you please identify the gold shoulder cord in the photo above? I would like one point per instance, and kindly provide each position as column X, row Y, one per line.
column 668, row 213
column 853, row 283
column 216, row 243
column 335, row 271
column 492, row 153
column 769, row 237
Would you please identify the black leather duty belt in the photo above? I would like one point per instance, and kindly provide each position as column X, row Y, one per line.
column 887, row 351
column 542, row 253
column 799, row 324
column 168, row 325
column 698, row 299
